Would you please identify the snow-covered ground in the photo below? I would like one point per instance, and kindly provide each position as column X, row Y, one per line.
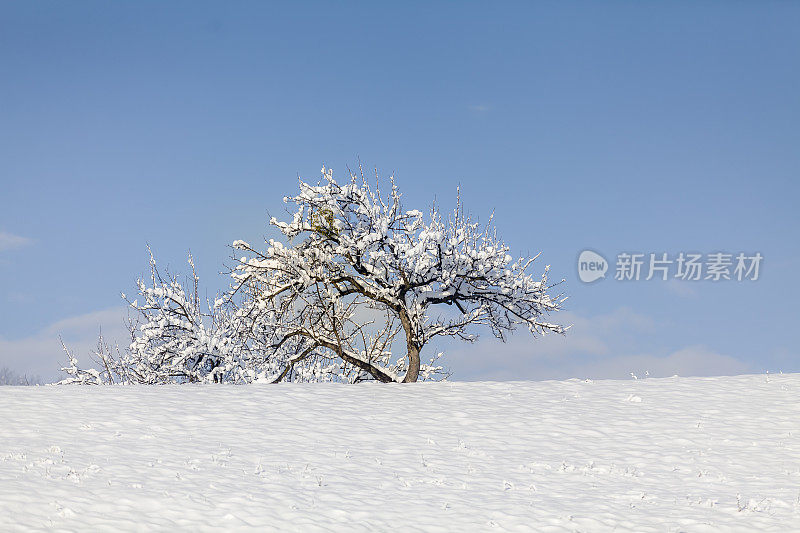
column 676, row 454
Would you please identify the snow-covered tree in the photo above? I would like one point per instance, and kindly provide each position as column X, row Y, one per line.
column 355, row 293
column 350, row 248
column 10, row 377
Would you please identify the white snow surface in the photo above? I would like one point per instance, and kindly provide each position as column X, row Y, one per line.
column 674, row 454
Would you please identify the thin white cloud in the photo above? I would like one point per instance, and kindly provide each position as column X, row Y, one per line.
column 41, row 354
column 597, row 347
column 689, row 361
column 681, row 288
column 9, row 241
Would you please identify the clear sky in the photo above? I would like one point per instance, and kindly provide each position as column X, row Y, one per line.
column 616, row 127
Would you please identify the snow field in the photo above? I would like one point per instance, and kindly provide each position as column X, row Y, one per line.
column 675, row 454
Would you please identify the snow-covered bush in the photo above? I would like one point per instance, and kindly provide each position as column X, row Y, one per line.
column 180, row 338
column 349, row 296
column 175, row 338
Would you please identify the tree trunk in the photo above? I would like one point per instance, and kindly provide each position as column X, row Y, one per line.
column 413, row 349
column 413, row 365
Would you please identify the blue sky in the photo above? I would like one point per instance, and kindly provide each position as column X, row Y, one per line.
column 626, row 126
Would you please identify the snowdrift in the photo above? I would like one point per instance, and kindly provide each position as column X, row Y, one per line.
column 675, row 454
